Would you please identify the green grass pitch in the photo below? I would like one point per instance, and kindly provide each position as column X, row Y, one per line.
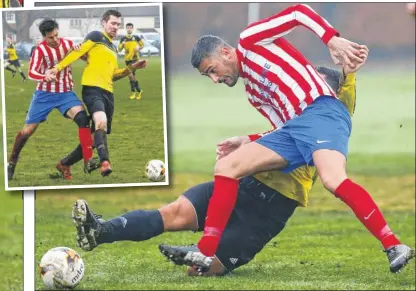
column 137, row 132
column 323, row 246
column 11, row 237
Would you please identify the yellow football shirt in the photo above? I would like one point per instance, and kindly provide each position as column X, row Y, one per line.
column 297, row 184
column 11, row 51
column 129, row 43
column 5, row 4
column 102, row 64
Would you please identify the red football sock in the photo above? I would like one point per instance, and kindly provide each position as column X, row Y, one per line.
column 18, row 145
column 366, row 211
column 219, row 211
column 85, row 139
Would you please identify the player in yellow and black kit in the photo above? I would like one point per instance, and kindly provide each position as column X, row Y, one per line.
column 5, row 3
column 97, row 82
column 13, row 60
column 132, row 44
column 10, row 3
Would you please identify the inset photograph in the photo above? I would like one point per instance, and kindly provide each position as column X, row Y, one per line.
column 84, row 102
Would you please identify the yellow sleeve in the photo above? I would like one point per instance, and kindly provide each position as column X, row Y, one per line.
column 121, row 45
column 141, row 43
column 121, row 73
column 347, row 92
column 75, row 55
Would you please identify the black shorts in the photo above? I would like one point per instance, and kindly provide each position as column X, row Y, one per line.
column 259, row 215
column 97, row 99
column 15, row 63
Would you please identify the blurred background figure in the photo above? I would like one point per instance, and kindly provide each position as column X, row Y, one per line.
column 37, row 42
column 411, row 8
column 11, row 3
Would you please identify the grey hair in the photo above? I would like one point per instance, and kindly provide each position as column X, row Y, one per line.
column 205, row 47
column 333, row 77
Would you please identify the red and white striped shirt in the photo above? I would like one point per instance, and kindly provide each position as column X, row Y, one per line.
column 44, row 57
column 279, row 80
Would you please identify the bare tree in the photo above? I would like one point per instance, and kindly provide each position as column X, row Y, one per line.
column 24, row 20
column 91, row 21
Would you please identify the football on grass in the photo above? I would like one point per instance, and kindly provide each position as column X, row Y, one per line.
column 155, row 170
column 61, row 268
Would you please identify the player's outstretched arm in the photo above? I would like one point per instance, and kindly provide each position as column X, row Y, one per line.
column 121, row 73
column 121, row 45
column 141, row 44
column 347, row 91
column 278, row 25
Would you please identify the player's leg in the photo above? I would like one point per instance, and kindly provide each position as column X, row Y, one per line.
column 17, row 65
column 140, row 225
column 20, row 140
column 272, row 153
column 38, row 112
column 322, row 137
column 260, row 214
column 100, row 139
column 8, row 66
column 78, row 114
column 99, row 106
column 132, row 80
column 139, row 91
column 71, row 107
column 331, row 167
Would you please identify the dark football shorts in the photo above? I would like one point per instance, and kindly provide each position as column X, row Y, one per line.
column 15, row 63
column 97, row 99
column 259, row 215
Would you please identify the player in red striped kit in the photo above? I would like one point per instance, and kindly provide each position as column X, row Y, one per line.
column 53, row 92
column 314, row 126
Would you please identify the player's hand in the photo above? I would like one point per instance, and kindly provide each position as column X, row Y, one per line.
column 139, row 65
column 229, row 145
column 363, row 55
column 50, row 75
column 138, row 48
column 345, row 52
column 52, row 71
column 77, row 46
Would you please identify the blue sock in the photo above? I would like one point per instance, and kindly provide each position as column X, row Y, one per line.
column 133, row 226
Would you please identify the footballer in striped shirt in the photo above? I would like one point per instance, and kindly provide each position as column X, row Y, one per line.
column 54, row 92
column 313, row 124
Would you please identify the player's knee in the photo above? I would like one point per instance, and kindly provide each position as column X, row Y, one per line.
column 27, row 131
column 331, row 181
column 226, row 167
column 82, row 119
column 100, row 120
column 169, row 213
column 178, row 216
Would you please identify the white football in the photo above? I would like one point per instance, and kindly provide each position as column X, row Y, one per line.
column 61, row 267
column 155, row 170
